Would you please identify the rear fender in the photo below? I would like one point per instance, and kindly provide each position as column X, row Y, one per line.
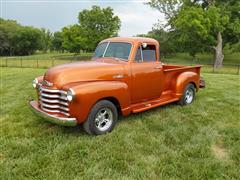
column 89, row 93
column 185, row 78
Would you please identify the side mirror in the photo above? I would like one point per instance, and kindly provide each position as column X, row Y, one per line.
column 144, row 45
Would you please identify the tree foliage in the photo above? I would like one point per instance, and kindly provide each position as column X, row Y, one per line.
column 18, row 40
column 72, row 36
column 200, row 25
column 46, row 40
column 94, row 25
column 57, row 42
column 97, row 24
column 165, row 38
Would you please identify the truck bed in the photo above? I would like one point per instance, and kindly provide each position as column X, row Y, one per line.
column 168, row 95
column 171, row 73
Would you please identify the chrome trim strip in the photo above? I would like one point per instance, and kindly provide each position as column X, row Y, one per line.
column 54, row 106
column 53, row 90
column 53, row 96
column 54, row 111
column 51, row 118
column 53, row 101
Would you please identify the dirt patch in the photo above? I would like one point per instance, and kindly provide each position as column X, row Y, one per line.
column 220, row 152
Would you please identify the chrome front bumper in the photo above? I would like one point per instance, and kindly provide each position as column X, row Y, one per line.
column 53, row 119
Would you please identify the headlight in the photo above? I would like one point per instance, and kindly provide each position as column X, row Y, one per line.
column 70, row 95
column 35, row 83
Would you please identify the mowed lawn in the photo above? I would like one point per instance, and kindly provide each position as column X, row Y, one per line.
column 231, row 63
column 199, row 141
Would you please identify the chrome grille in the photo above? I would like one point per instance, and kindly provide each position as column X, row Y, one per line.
column 53, row 101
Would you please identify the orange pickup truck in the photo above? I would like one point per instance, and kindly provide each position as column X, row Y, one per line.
column 124, row 76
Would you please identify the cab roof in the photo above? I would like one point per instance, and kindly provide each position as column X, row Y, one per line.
column 131, row 40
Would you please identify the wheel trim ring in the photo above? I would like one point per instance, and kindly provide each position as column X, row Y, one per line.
column 103, row 119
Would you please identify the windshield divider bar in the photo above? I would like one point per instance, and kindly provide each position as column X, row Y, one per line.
column 105, row 49
column 141, row 52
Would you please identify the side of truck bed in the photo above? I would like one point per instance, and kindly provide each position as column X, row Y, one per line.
column 175, row 79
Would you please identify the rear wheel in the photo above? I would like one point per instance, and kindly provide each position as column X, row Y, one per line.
column 101, row 119
column 188, row 95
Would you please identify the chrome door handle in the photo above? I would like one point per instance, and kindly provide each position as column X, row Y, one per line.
column 118, row 76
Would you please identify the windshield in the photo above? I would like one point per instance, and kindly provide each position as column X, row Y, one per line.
column 118, row 50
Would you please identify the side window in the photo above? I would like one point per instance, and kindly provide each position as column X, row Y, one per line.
column 149, row 53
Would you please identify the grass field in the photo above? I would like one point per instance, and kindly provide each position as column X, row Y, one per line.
column 199, row 141
column 231, row 66
column 203, row 58
column 49, row 56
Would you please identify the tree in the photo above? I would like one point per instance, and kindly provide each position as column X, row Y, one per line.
column 57, row 41
column 194, row 28
column 94, row 25
column 27, row 41
column 18, row 40
column 165, row 39
column 72, row 38
column 8, row 29
column 4, row 42
column 202, row 24
column 98, row 24
column 229, row 30
column 46, row 39
column 169, row 8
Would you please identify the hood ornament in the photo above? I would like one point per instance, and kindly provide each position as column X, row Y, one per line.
column 46, row 83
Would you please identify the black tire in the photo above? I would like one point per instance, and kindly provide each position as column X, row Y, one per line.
column 93, row 126
column 190, row 88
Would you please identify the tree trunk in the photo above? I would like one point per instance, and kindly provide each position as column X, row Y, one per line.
column 218, row 52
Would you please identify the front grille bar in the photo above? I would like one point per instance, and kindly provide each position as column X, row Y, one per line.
column 55, row 111
column 54, row 106
column 53, row 101
column 53, row 90
column 53, row 96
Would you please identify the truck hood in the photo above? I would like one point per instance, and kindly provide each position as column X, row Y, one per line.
column 104, row 69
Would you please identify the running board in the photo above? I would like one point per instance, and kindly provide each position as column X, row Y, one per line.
column 139, row 107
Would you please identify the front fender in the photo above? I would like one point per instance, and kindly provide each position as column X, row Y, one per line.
column 185, row 78
column 88, row 93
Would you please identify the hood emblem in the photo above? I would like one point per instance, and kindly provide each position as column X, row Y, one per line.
column 46, row 83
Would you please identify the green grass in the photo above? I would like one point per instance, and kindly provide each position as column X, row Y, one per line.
column 203, row 58
column 48, row 56
column 52, row 59
column 199, row 141
column 42, row 60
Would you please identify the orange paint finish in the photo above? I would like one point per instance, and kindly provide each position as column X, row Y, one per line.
column 132, row 86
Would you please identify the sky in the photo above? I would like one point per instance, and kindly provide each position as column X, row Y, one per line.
column 136, row 17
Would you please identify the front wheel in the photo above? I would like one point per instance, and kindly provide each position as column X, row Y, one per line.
column 102, row 118
column 188, row 95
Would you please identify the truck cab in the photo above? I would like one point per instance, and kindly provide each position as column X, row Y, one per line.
column 124, row 76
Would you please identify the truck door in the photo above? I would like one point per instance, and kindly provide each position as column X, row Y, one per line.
column 146, row 74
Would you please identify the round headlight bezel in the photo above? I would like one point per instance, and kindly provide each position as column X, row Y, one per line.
column 35, row 83
column 70, row 95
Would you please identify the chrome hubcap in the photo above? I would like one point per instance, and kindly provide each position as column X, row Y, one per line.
column 189, row 96
column 104, row 119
